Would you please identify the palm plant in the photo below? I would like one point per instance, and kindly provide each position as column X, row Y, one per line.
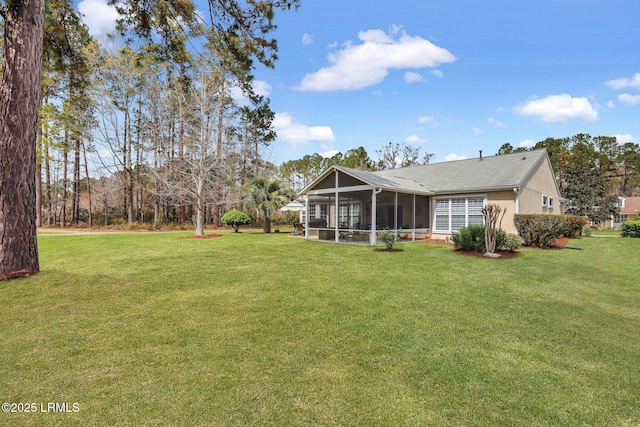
column 267, row 196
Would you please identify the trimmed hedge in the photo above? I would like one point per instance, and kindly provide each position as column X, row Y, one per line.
column 235, row 219
column 542, row 231
column 631, row 228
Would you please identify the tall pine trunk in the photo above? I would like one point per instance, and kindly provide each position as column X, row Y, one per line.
column 19, row 102
column 86, row 172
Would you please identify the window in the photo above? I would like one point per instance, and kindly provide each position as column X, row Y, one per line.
column 621, row 202
column 349, row 216
column 324, row 211
column 619, row 219
column 550, row 202
column 455, row 213
column 312, row 211
column 475, row 205
column 545, row 201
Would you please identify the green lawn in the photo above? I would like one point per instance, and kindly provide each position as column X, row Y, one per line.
column 251, row 329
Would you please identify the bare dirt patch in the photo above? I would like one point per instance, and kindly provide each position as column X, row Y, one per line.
column 205, row 237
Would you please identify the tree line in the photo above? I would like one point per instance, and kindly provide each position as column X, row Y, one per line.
column 59, row 89
column 592, row 172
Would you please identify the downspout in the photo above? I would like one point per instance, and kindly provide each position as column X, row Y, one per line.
column 336, row 214
column 372, row 238
column 517, row 195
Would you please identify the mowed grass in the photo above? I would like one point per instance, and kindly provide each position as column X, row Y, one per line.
column 251, row 329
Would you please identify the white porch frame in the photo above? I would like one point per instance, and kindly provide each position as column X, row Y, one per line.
column 336, row 191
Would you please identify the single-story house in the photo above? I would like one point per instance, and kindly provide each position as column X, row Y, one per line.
column 629, row 210
column 345, row 204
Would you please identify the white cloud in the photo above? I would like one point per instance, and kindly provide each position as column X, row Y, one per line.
column 428, row 120
column 624, row 138
column 415, row 139
column 307, row 39
column 452, row 157
column 498, row 124
column 411, row 77
column 261, row 87
column 477, row 131
column 527, row 143
column 296, row 133
column 629, row 99
column 558, row 108
column 624, row 82
column 99, row 16
column 329, row 153
column 611, row 104
column 357, row 66
column 332, row 45
column 437, row 73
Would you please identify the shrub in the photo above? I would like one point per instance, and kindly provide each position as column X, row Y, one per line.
column 541, row 231
column 235, row 219
column 388, row 238
column 501, row 237
column 587, row 231
column 469, row 238
column 631, row 228
column 511, row 242
column 572, row 225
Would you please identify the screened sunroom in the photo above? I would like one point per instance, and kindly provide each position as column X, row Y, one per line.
column 353, row 206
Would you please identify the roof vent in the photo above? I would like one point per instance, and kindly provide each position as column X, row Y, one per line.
column 524, row 157
column 480, row 154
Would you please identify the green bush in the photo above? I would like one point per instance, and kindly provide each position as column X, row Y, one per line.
column 511, row 242
column 389, row 238
column 235, row 219
column 631, row 228
column 542, row 231
column 587, row 231
column 469, row 238
column 572, row 225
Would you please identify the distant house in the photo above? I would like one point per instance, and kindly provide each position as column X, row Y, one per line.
column 629, row 210
column 345, row 204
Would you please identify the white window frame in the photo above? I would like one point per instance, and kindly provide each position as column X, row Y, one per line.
column 550, row 202
column 324, row 211
column 545, row 201
column 350, row 213
column 449, row 213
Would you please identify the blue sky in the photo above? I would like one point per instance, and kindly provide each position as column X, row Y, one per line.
column 450, row 76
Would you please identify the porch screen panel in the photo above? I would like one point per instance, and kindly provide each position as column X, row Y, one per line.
column 475, row 205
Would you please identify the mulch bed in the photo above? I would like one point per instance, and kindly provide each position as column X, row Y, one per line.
column 205, row 237
column 510, row 255
column 388, row 250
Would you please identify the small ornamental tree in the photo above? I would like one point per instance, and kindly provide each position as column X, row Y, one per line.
column 491, row 214
column 235, row 219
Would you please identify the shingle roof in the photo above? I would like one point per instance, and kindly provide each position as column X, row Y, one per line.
column 471, row 175
column 391, row 183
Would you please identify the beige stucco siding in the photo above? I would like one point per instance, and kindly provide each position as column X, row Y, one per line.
column 540, row 183
column 506, row 200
